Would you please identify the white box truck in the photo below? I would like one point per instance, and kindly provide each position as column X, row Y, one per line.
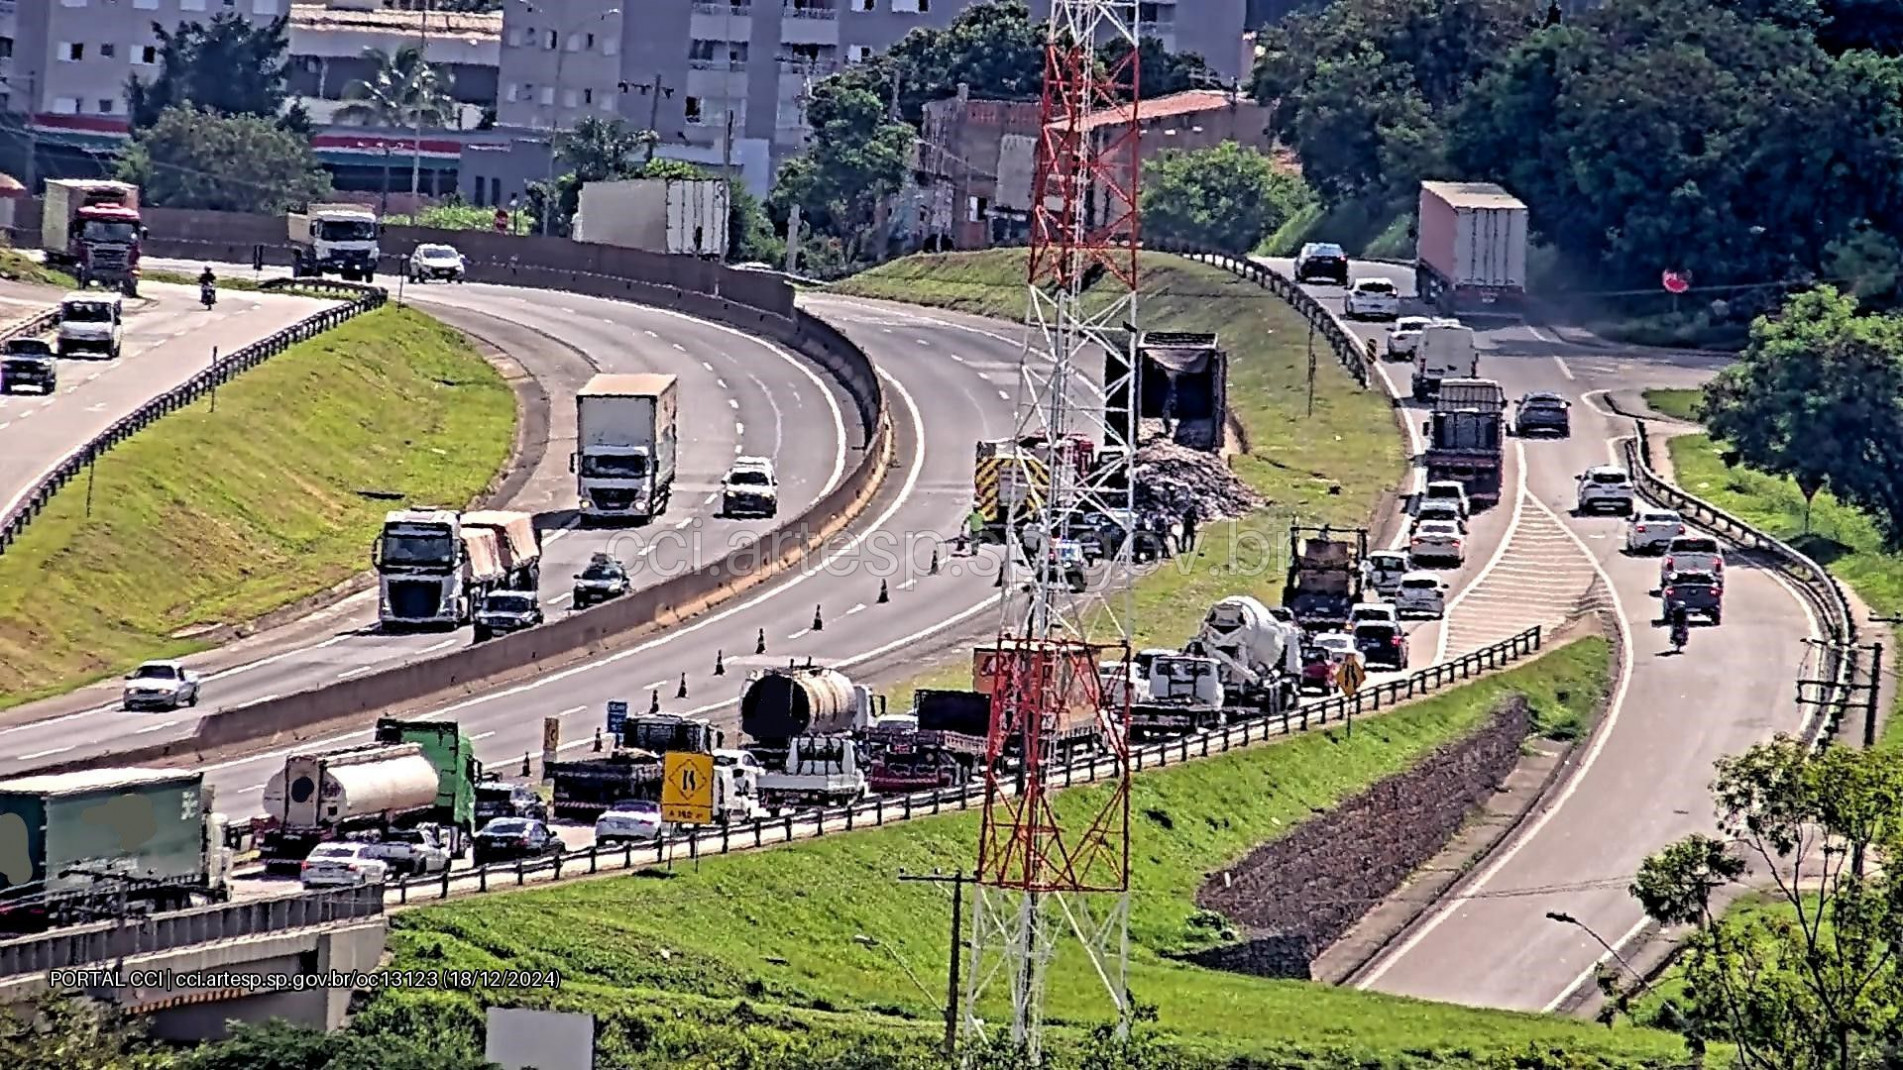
column 673, row 216
column 1471, row 249
column 626, row 445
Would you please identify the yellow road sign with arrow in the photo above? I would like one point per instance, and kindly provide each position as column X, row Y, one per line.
column 1350, row 676
column 687, row 788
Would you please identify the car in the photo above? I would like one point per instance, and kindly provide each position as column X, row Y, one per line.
column 1448, row 490
column 342, row 865
column 507, row 839
column 603, row 578
column 434, row 261
column 28, row 363
column 1691, row 552
column 502, row 612
column 90, row 322
column 1405, row 335
column 1066, row 562
column 409, row 852
column 750, row 488
column 745, row 759
column 1697, row 593
column 1421, row 594
column 1383, row 644
column 1651, row 530
column 1383, row 569
column 499, row 798
column 160, row 685
column 1543, row 413
column 1323, row 262
column 1439, row 509
column 1437, row 540
column 1604, row 488
column 1373, row 611
column 629, row 821
column 1374, row 298
column 1322, row 660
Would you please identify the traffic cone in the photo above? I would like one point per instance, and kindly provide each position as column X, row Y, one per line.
column 963, row 544
column 597, row 739
column 654, row 701
column 525, row 763
column 720, row 664
column 884, row 595
column 818, row 624
column 809, row 661
column 759, row 645
column 934, row 570
column 682, row 693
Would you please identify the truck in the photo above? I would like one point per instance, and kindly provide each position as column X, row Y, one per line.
column 334, row 239
column 458, row 771
column 92, row 844
column 323, row 796
column 518, row 542
column 1471, row 249
column 940, row 745
column 670, row 216
column 1181, row 379
column 811, row 771
column 93, row 229
column 1258, row 655
column 1077, row 726
column 1465, row 438
column 627, row 441
column 432, row 571
column 1177, row 694
column 801, row 725
column 633, row 767
column 1444, row 351
column 1011, row 477
column 1324, row 575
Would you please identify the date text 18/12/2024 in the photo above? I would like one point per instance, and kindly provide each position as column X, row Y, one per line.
column 355, row 980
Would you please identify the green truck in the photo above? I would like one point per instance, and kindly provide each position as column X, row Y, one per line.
column 98, row 843
column 457, row 773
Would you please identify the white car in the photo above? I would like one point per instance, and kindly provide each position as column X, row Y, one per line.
column 750, row 488
column 1448, row 490
column 1652, row 530
column 438, row 262
column 629, row 821
column 1439, row 509
column 1437, row 540
column 1405, row 336
column 160, row 685
column 1692, row 552
column 90, row 322
column 1384, row 611
column 1372, row 299
column 1605, row 488
column 1421, row 594
column 1383, row 570
column 340, row 865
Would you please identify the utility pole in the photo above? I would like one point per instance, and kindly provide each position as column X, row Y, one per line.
column 1311, row 369
column 958, row 881
column 418, row 79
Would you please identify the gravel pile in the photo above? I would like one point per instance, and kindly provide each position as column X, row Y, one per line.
column 1170, row 478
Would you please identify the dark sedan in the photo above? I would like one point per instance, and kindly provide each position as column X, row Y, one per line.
column 509, row 838
column 1322, row 262
column 1543, row 413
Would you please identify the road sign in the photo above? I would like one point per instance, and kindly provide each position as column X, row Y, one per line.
column 1350, row 676
column 1675, row 282
column 687, row 789
column 617, row 716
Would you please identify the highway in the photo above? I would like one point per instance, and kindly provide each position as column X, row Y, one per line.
column 1642, row 780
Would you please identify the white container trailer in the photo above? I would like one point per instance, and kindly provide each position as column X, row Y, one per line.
column 673, row 216
column 627, row 443
column 1471, row 248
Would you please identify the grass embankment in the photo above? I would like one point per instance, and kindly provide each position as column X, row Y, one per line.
column 825, row 926
column 1331, row 467
column 16, row 266
column 208, row 518
column 1840, row 537
column 1375, row 229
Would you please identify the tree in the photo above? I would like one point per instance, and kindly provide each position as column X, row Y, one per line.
column 401, row 92
column 1814, row 984
column 1228, row 197
column 228, row 163
column 993, row 48
column 1160, row 72
column 858, row 156
column 228, row 66
column 1817, row 395
column 58, row 1032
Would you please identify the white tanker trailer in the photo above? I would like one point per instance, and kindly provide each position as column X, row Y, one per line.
column 801, row 725
column 319, row 797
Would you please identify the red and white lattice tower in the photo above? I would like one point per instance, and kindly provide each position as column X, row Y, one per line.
column 1054, row 888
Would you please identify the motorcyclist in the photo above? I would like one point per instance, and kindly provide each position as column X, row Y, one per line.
column 1681, row 627
column 207, row 285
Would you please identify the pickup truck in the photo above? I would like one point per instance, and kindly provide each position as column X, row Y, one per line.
column 409, row 852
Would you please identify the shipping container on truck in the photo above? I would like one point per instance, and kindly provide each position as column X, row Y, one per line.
column 82, row 846
column 93, row 229
column 1465, row 437
column 1471, row 249
column 670, row 216
column 1182, row 379
column 627, row 445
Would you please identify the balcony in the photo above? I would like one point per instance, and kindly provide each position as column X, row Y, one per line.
column 810, row 12
column 701, row 7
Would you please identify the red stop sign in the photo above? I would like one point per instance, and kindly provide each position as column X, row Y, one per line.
column 1674, row 282
column 502, row 221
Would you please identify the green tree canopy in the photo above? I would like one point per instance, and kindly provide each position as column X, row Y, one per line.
column 1160, row 72
column 229, row 66
column 1227, row 198
column 229, row 163
column 993, row 47
column 858, row 156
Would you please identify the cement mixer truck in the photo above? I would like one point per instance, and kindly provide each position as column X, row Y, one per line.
column 320, row 797
column 802, row 725
column 1259, row 656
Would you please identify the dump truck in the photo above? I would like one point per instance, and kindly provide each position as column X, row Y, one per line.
column 324, row 796
column 1259, row 656
column 432, row 570
column 1011, row 478
column 942, row 746
column 94, row 844
column 1465, row 432
column 93, row 229
column 335, row 239
column 1471, row 249
column 1324, row 575
column 1182, row 379
column 627, row 442
column 518, row 543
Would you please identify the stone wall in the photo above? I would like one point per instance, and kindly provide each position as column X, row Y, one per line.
column 1292, row 898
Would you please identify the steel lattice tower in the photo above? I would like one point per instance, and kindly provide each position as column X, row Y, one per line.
column 1048, row 881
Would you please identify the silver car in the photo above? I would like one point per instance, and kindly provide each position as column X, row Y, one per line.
column 1650, row 531
column 160, row 685
column 339, row 865
column 1438, row 541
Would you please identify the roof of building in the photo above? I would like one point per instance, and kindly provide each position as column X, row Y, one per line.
column 396, row 20
column 1189, row 102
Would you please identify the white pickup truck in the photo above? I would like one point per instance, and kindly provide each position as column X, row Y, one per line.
column 411, row 852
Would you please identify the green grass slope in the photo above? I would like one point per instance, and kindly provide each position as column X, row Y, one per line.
column 217, row 517
column 824, row 926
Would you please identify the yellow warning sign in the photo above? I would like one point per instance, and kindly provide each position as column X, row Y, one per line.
column 687, row 788
column 1350, row 676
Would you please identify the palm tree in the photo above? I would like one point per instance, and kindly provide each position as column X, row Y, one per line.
column 402, row 92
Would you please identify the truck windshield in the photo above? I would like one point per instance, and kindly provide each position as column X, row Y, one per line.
column 346, row 230
column 109, row 231
column 614, row 466
column 404, row 549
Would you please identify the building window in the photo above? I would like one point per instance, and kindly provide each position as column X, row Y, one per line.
column 548, row 94
column 147, row 55
column 570, row 98
column 858, row 53
column 587, row 96
column 191, row 5
column 508, row 93
column 865, row 5
column 73, row 3
column 611, row 47
column 71, row 51
column 105, row 106
column 146, row 5
column 554, row 40
column 693, row 111
column 264, row 7
column 108, row 50
column 589, row 42
column 526, row 37
column 65, row 105
column 911, row 7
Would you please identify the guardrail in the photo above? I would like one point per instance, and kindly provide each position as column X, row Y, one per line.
column 226, row 368
column 889, row 809
column 110, row 941
column 1819, row 587
column 37, row 324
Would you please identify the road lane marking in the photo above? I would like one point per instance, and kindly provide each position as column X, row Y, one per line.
column 46, row 753
column 706, row 365
column 153, row 727
column 358, row 671
column 434, row 647
column 1563, row 369
column 680, row 347
column 855, row 609
column 798, row 634
column 1499, row 552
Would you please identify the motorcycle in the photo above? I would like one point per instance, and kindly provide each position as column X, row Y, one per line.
column 208, row 294
column 1681, row 634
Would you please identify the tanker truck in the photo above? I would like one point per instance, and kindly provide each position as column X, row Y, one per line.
column 802, row 725
column 1259, row 657
column 325, row 796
